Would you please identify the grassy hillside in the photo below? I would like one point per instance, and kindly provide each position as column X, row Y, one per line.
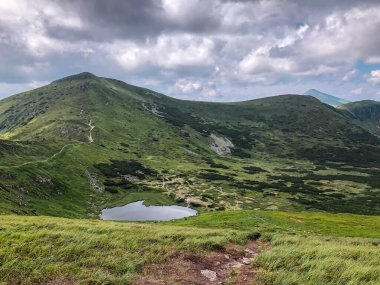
column 302, row 248
column 365, row 113
column 340, row 225
column 68, row 148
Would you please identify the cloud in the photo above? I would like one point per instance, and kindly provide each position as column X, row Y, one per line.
column 185, row 86
column 195, row 90
column 336, row 41
column 166, row 52
column 375, row 76
column 228, row 47
column 373, row 60
column 259, row 61
column 349, row 75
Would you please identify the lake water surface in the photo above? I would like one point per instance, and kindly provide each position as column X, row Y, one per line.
column 137, row 211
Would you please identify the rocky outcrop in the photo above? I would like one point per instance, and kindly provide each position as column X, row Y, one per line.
column 220, row 145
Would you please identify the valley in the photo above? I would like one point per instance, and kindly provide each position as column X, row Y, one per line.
column 189, row 142
column 291, row 180
column 272, row 153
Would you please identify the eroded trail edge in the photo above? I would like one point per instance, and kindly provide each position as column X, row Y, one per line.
column 234, row 265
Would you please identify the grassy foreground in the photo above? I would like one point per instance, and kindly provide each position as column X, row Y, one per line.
column 38, row 250
column 310, row 260
column 306, row 248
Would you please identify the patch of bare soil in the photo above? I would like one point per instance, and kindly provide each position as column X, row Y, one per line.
column 234, row 265
column 293, row 219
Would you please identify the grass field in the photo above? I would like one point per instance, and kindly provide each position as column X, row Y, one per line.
column 38, row 250
column 311, row 260
column 314, row 223
column 309, row 247
column 305, row 248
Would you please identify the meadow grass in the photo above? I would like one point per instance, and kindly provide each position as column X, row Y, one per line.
column 38, row 250
column 312, row 260
column 307, row 248
column 304, row 248
column 344, row 225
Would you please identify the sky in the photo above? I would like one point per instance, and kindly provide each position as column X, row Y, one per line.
column 211, row 50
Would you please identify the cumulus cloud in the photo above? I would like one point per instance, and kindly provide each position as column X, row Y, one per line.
column 165, row 52
column 194, row 48
column 375, row 76
column 195, row 90
column 185, row 86
column 260, row 61
column 336, row 41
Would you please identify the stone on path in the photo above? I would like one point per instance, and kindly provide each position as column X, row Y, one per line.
column 211, row 275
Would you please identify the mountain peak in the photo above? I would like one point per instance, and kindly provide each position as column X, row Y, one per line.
column 326, row 98
column 79, row 76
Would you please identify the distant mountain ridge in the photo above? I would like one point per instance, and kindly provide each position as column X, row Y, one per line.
column 84, row 143
column 326, row 98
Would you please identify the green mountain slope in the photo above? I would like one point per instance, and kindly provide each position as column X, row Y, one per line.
column 365, row 113
column 326, row 98
column 83, row 143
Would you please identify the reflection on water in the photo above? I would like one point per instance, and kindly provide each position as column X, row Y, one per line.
column 137, row 211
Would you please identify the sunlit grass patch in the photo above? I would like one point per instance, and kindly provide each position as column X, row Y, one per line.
column 35, row 250
column 312, row 260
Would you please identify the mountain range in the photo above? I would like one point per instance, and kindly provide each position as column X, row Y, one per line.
column 84, row 143
column 326, row 98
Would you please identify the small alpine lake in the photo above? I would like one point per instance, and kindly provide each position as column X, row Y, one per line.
column 137, row 211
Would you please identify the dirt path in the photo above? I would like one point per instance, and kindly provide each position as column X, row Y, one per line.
column 49, row 158
column 234, row 265
column 90, row 139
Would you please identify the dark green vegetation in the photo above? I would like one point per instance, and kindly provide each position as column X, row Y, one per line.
column 305, row 248
column 364, row 113
column 84, row 143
